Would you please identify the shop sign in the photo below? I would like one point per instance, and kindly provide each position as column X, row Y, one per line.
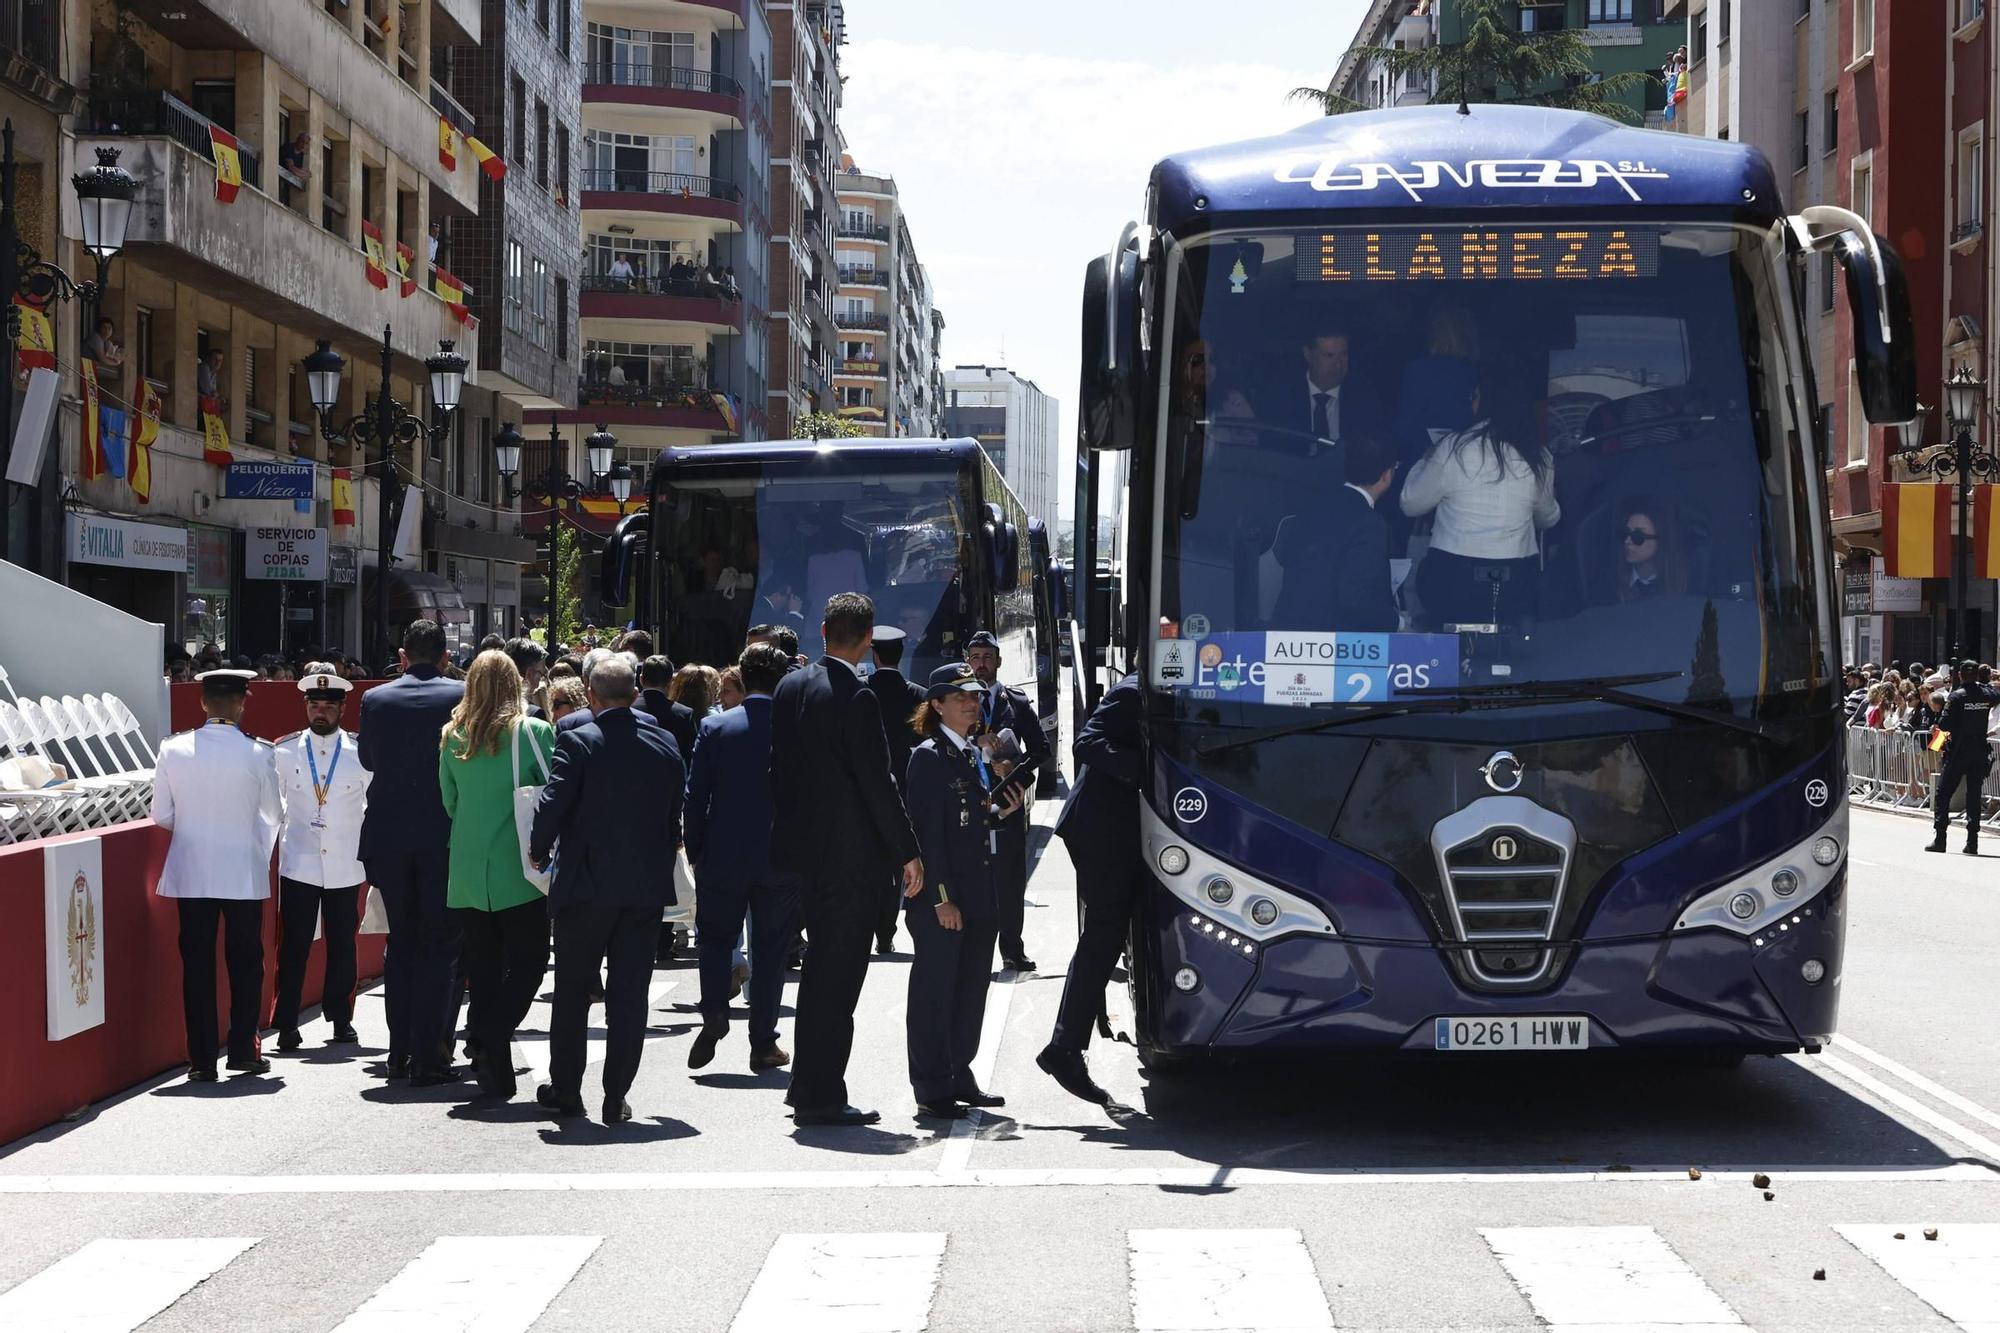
column 1857, row 589
column 1896, row 594
column 506, row 584
column 295, row 554
column 208, row 559
column 93, row 539
column 268, row 481
column 343, row 567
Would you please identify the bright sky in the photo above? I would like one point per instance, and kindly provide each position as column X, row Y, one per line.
column 1021, row 136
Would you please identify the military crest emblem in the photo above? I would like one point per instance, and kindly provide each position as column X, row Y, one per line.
column 81, row 935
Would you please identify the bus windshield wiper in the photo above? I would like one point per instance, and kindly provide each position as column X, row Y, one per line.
column 1372, row 711
column 1604, row 689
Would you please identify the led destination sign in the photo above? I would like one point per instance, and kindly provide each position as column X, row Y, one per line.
column 1485, row 254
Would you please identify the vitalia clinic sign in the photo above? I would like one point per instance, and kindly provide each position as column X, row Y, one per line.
column 296, row 555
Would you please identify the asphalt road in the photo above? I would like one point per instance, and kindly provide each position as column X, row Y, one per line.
column 1555, row 1194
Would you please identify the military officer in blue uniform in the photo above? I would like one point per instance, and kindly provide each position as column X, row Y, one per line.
column 954, row 916
column 1001, row 709
column 1968, row 757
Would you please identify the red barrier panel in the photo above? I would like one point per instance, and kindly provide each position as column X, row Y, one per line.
column 276, row 707
column 42, row 1081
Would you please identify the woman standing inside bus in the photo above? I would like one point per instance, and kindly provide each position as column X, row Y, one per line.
column 955, row 917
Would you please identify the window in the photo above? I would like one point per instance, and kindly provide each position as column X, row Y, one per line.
column 542, row 13
column 1971, row 180
column 1698, row 47
column 639, row 55
column 562, row 28
column 1541, row 16
column 1864, row 29
column 1829, row 276
column 1857, row 422
column 515, row 294
column 562, row 163
column 1861, row 187
column 1802, row 140
column 857, row 396
column 538, row 309
column 562, row 318
column 1830, row 142
column 541, row 143
column 142, row 343
column 460, row 465
column 1610, row 11
column 1722, row 24
column 1968, row 10
column 520, row 120
column 642, row 365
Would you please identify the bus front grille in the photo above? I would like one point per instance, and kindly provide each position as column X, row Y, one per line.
column 1504, row 863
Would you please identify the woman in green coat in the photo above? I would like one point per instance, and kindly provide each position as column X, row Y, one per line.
column 505, row 919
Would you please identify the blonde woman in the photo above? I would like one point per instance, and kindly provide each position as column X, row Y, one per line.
column 698, row 687
column 504, row 918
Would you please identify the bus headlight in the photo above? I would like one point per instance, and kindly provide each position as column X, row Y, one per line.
column 1813, row 971
column 1263, row 911
column 1743, row 906
column 1187, row 979
column 1223, row 894
column 1776, row 894
column 1825, row 851
column 1785, row 883
column 1219, row 890
column 1173, row 860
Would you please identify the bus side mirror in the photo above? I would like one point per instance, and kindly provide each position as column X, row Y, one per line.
column 1108, row 391
column 1885, row 353
column 623, row 553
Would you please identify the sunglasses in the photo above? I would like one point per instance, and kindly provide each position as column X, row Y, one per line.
column 1638, row 536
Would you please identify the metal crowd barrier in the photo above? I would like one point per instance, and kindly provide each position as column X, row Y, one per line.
column 1896, row 770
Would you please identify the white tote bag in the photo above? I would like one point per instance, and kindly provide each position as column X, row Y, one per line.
column 525, row 800
column 681, row 910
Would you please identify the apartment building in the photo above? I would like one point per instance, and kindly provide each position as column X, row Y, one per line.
column 1394, row 25
column 806, row 37
column 1016, row 423
column 885, row 377
column 337, row 110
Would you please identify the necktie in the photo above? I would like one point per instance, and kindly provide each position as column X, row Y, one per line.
column 1320, row 427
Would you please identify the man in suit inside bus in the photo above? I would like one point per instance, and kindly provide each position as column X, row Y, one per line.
column 404, row 835
column 838, row 824
column 1315, row 396
column 1002, row 709
column 1336, row 563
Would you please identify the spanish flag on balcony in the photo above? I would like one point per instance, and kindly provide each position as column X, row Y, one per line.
column 228, row 164
column 406, row 267
column 447, row 145
column 140, row 474
column 490, row 162
column 215, row 434
column 343, row 498
column 1985, row 533
column 452, row 292
column 371, row 248
column 90, row 451
column 1916, row 531
column 38, row 340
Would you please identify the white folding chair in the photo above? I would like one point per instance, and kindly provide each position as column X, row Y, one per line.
column 135, row 796
column 128, row 725
column 109, row 804
column 88, row 727
column 109, row 731
column 48, row 812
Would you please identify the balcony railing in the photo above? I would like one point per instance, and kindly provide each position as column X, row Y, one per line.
column 160, row 112
column 451, row 109
column 862, row 233
column 653, row 284
column 844, row 320
column 620, row 181
column 689, row 394
column 629, row 74
column 856, row 276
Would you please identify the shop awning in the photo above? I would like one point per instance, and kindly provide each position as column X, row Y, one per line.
column 415, row 594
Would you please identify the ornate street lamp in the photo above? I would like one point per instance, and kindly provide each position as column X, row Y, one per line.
column 557, row 489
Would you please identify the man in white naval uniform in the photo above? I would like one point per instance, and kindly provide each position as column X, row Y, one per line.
column 325, row 790
column 216, row 791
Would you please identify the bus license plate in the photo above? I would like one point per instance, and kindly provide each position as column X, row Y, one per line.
column 1533, row 1032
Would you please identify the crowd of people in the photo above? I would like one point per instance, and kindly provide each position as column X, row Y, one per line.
column 533, row 809
column 1950, row 719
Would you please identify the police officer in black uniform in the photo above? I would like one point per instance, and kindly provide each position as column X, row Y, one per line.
column 955, row 916
column 1002, row 708
column 1967, row 755
column 900, row 699
column 1100, row 826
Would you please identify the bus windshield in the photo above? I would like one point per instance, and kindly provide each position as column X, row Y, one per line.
column 745, row 544
column 1468, row 459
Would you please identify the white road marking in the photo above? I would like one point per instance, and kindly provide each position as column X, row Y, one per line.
column 1215, row 1280
column 1958, row 1274
column 1963, row 1105
column 113, row 1286
column 1611, row 1278
column 871, row 1282
column 1140, row 1177
column 1902, row 1101
column 494, row 1284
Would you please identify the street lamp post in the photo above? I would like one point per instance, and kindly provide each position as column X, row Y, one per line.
column 1963, row 460
column 104, row 200
column 384, row 423
column 556, row 487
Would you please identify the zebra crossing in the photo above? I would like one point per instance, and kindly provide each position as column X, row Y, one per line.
column 1615, row 1279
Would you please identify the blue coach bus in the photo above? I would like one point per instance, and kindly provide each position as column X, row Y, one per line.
column 1582, row 793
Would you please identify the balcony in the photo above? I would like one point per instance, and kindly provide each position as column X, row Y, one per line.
column 861, row 368
column 655, row 298
column 676, row 406
column 866, row 322
column 663, row 86
column 451, row 108
column 160, row 113
column 848, row 231
column 853, row 275
column 662, row 192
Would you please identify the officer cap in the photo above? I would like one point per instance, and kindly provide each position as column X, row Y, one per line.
column 226, row 680
column 1969, row 667
column 320, row 681
column 889, row 634
column 953, row 677
column 983, row 639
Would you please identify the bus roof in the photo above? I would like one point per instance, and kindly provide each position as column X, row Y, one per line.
column 901, row 449
column 1495, row 157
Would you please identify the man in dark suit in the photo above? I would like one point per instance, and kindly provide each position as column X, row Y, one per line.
column 1318, row 399
column 1336, row 562
column 899, row 699
column 1100, row 826
column 838, row 825
column 1000, row 710
column 728, row 838
column 655, row 674
column 404, row 835
column 612, row 880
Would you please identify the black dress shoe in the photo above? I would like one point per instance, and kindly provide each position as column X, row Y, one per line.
column 705, row 1043
column 1971, row 849
column 398, row 1066
column 255, row 1064
column 769, row 1057
column 885, row 945
column 1020, row 964
column 345, row 1035
column 836, row 1115
column 1936, row 844
column 201, row 1075
column 498, row 1084
column 546, row 1098
column 978, row 1098
column 1068, row 1069
column 436, row 1076
column 945, row 1110
column 617, row 1112
column 290, row 1040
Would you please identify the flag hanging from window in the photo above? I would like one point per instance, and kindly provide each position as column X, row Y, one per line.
column 343, row 498
column 447, row 145
column 1985, row 532
column 452, row 292
column 490, row 162
column 215, row 434
column 113, row 424
column 37, row 347
column 406, row 267
column 1916, row 531
column 90, row 456
column 228, row 163
column 140, row 474
column 371, row 249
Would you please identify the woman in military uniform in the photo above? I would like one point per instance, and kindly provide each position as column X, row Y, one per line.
column 955, row 917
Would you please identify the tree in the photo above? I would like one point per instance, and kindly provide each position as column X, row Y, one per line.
column 1494, row 61
column 823, row 426
column 565, row 606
